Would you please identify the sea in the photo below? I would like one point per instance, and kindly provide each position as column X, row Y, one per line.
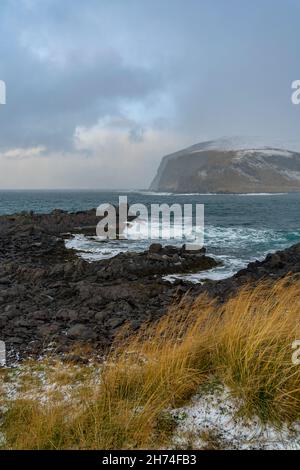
column 238, row 228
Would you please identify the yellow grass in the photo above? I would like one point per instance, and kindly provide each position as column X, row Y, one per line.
column 245, row 343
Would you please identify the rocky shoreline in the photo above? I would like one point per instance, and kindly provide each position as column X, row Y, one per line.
column 49, row 297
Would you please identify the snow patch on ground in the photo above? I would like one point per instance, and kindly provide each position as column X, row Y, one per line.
column 265, row 152
column 248, row 144
column 291, row 174
column 27, row 383
column 211, row 422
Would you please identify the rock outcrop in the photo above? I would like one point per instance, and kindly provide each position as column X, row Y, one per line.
column 229, row 167
column 49, row 297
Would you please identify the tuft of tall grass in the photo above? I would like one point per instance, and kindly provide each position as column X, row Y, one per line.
column 245, row 343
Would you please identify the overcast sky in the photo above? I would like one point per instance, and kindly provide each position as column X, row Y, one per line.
column 99, row 90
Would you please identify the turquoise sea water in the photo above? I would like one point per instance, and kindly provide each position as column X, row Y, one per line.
column 238, row 228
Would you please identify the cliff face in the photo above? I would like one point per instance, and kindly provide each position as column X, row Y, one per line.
column 215, row 167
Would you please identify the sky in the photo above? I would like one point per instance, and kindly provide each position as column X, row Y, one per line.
column 98, row 91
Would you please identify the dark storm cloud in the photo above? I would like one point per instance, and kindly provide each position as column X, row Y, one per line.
column 172, row 72
column 56, row 78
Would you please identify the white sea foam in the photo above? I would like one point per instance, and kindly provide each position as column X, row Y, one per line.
column 153, row 193
column 157, row 193
column 230, row 266
column 234, row 246
column 91, row 250
column 262, row 194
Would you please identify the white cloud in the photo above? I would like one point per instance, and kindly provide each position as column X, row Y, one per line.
column 125, row 152
column 106, row 155
column 107, row 132
column 23, row 153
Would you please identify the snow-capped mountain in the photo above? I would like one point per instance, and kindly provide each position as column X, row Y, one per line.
column 229, row 166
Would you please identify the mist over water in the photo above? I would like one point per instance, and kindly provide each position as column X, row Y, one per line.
column 238, row 228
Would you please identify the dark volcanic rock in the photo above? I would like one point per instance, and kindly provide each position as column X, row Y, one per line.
column 155, row 248
column 49, row 295
column 274, row 266
column 81, row 332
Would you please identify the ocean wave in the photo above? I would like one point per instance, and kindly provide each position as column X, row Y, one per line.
column 153, row 193
column 262, row 194
column 234, row 246
column 164, row 193
column 91, row 250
